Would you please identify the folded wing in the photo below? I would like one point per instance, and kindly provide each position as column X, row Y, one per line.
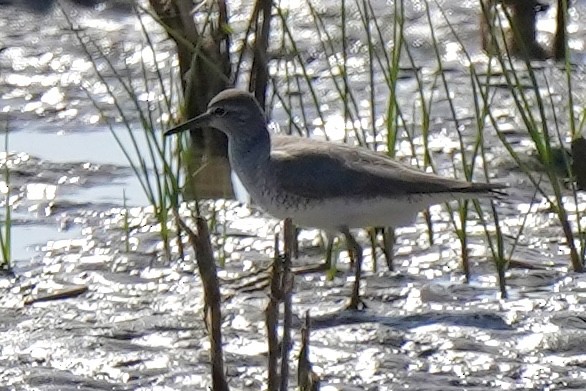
column 318, row 169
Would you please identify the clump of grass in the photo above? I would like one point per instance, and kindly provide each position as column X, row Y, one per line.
column 470, row 152
column 534, row 104
column 148, row 154
column 548, row 128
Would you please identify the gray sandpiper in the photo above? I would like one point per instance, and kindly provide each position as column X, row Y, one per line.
column 321, row 184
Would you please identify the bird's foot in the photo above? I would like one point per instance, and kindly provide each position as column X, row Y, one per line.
column 356, row 304
column 322, row 267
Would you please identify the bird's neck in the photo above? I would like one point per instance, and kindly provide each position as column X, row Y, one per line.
column 250, row 151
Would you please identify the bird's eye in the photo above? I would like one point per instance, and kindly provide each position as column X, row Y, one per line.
column 220, row 112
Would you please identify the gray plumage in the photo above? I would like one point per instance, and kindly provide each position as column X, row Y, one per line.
column 340, row 170
column 323, row 184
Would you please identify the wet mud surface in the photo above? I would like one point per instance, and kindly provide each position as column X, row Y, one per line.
column 139, row 325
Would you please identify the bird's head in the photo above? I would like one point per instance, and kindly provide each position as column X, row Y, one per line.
column 234, row 112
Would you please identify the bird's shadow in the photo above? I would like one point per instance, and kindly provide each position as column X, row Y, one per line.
column 482, row 320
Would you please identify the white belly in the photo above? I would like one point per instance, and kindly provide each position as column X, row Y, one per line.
column 333, row 214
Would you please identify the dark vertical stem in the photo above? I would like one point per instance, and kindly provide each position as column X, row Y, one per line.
column 559, row 42
column 307, row 379
column 577, row 262
column 501, row 261
column 272, row 319
column 212, row 298
column 502, row 280
column 287, row 289
column 464, row 241
column 296, row 243
column 344, row 66
column 180, row 247
column 259, row 75
column 465, row 257
column 227, row 42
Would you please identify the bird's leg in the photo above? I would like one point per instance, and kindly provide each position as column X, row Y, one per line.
column 373, row 235
column 388, row 244
column 355, row 302
column 328, row 265
column 296, row 242
column 352, row 255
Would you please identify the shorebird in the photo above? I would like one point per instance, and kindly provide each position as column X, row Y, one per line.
column 321, row 184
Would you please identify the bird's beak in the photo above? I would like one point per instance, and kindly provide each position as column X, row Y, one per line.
column 201, row 121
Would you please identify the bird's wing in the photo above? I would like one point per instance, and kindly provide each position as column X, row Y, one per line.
column 311, row 169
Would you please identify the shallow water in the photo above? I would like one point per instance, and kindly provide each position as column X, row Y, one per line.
column 139, row 326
